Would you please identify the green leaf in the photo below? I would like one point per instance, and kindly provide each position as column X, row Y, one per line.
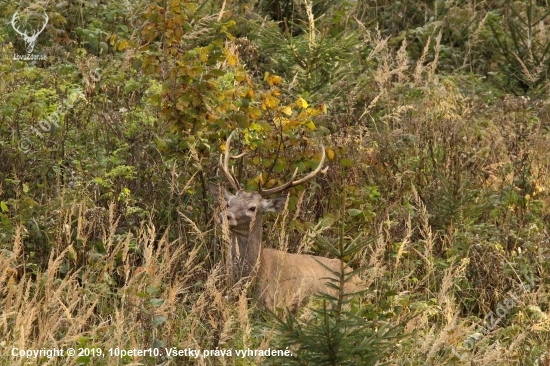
column 158, row 320
column 136, row 64
column 4, row 206
column 280, row 166
column 156, row 302
column 5, row 221
column 346, row 162
column 84, row 359
column 354, row 212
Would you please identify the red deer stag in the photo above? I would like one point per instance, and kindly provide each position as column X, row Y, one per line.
column 280, row 279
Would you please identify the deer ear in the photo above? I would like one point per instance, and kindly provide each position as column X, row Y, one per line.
column 274, row 204
column 215, row 192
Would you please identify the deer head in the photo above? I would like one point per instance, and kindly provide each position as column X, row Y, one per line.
column 243, row 208
column 30, row 40
column 243, row 216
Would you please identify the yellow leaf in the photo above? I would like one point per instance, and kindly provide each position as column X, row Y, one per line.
column 280, row 121
column 274, row 80
column 254, row 127
column 122, row 45
column 312, row 112
column 271, row 101
column 287, row 110
column 291, row 123
column 204, row 55
column 323, row 108
column 330, row 153
column 254, row 113
column 250, row 93
column 232, row 60
column 301, row 103
column 311, row 125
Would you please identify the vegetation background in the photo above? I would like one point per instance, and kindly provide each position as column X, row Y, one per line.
column 436, row 119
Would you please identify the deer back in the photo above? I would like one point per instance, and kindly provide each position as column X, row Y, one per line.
column 286, row 279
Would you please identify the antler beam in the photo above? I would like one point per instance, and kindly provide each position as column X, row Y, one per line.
column 293, row 183
column 232, row 180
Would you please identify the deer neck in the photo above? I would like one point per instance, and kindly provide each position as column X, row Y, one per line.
column 246, row 248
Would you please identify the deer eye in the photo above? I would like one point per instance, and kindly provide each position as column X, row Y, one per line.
column 252, row 209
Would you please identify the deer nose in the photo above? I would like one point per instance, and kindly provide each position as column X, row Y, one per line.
column 229, row 216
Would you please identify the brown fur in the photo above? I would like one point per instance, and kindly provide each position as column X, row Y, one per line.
column 281, row 279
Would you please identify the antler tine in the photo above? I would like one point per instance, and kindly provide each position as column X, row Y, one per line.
column 292, row 183
column 232, row 180
column 238, row 156
column 45, row 23
column 14, row 18
column 277, row 189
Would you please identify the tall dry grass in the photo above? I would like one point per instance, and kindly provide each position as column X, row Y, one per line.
column 142, row 291
column 145, row 291
column 463, row 210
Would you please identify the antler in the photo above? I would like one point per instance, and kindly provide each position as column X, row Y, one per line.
column 46, row 18
column 292, row 183
column 13, row 19
column 232, row 180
